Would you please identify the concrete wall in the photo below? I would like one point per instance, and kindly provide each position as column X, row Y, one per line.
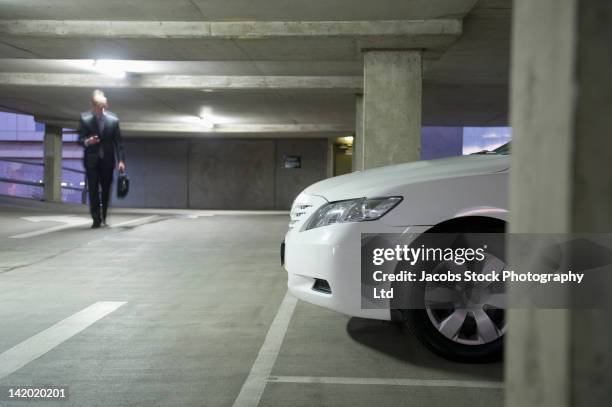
column 231, row 174
column 220, row 174
column 290, row 182
column 158, row 174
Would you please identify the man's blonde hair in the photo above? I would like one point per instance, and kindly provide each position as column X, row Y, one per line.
column 98, row 98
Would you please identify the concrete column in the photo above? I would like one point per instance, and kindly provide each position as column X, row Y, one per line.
column 53, row 163
column 358, row 139
column 560, row 182
column 391, row 107
column 331, row 157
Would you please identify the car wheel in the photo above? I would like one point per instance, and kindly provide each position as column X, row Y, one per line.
column 462, row 321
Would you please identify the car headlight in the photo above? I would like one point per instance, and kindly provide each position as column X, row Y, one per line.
column 352, row 210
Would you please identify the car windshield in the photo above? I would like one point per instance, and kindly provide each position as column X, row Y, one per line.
column 502, row 150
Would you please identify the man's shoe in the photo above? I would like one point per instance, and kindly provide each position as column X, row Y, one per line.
column 95, row 225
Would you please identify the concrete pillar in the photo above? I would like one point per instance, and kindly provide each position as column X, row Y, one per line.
column 331, row 157
column 53, row 163
column 560, row 182
column 358, row 139
column 391, row 107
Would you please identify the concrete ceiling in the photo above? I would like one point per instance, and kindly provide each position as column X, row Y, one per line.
column 234, row 10
column 466, row 72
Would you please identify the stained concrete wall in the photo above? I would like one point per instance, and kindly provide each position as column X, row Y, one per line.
column 220, row 174
column 290, row 182
column 231, row 174
column 158, row 174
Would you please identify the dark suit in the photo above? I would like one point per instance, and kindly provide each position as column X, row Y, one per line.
column 99, row 159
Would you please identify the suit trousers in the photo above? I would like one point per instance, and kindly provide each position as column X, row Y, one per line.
column 99, row 181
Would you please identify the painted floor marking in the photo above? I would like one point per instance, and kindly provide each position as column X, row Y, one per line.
column 41, row 343
column 480, row 384
column 253, row 387
column 67, row 221
column 135, row 222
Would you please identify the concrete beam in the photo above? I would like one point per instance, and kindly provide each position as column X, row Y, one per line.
column 212, row 82
column 227, row 30
column 148, row 128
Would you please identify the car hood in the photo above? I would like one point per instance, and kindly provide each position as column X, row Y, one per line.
column 380, row 181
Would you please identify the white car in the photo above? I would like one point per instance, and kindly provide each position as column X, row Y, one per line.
column 321, row 251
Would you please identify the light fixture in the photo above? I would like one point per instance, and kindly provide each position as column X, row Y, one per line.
column 206, row 118
column 346, row 140
column 206, row 123
column 109, row 67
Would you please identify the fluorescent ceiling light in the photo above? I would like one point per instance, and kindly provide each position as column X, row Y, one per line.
column 109, row 67
column 207, row 118
column 206, row 123
column 346, row 140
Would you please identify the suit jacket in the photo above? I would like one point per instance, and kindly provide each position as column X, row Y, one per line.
column 110, row 138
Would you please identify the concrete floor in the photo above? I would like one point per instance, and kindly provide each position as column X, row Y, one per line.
column 201, row 293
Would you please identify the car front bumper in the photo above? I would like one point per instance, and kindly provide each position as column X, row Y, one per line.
column 333, row 254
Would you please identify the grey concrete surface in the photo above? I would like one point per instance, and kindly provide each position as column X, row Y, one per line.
column 330, row 158
column 266, row 10
column 230, row 174
column 358, row 135
column 201, row 293
column 429, row 33
column 290, row 182
column 213, row 83
column 465, row 84
column 392, row 106
column 158, row 171
column 52, row 153
column 560, row 182
column 219, row 174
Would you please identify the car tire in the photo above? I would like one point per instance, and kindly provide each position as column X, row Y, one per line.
column 429, row 323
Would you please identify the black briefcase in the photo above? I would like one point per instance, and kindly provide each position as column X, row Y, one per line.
column 123, row 185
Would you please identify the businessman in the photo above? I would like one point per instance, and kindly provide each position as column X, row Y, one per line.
column 100, row 135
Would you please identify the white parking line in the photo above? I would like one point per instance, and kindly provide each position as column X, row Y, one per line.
column 67, row 221
column 253, row 387
column 480, row 384
column 137, row 221
column 41, row 343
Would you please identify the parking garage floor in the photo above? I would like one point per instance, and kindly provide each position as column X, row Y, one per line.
column 189, row 308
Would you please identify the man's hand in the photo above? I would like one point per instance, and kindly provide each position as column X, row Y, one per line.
column 121, row 166
column 91, row 140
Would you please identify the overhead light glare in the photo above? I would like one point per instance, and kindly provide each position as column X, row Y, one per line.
column 110, row 68
column 346, row 140
column 206, row 123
